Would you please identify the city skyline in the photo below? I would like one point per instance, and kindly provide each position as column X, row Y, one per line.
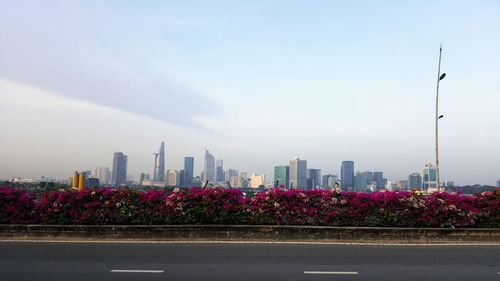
column 327, row 81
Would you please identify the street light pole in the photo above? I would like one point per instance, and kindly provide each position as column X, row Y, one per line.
column 439, row 78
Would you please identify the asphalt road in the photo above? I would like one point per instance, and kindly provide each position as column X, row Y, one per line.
column 108, row 261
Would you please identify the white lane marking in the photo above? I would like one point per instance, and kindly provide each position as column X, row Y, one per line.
column 332, row 272
column 135, row 271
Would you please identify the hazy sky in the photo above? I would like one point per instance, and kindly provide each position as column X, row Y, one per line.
column 256, row 82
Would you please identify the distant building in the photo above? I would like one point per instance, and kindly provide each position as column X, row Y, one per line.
column 298, row 173
column 378, row 177
column 329, row 181
column 188, row 170
column 415, row 181
column 209, row 167
column 362, row 180
column 103, row 174
column 143, row 177
column 281, row 176
column 347, row 175
column 219, row 171
column 313, row 178
column 92, row 183
column 449, row 183
column 429, row 180
column 119, row 173
column 173, row 178
column 498, row 183
column 256, row 181
column 159, row 168
column 239, row 182
column 230, row 173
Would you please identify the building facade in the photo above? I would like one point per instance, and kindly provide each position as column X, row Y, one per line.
column 173, row 178
column 188, row 171
column 329, row 181
column 209, row 167
column 313, row 178
column 103, row 174
column 414, row 181
column 281, row 176
column 298, row 173
column 378, row 177
column 119, row 173
column 219, row 170
column 429, row 179
column 159, row 169
column 347, row 175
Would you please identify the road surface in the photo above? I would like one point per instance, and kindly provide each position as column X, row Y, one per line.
column 205, row 261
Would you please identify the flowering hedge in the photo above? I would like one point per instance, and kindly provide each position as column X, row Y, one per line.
column 230, row 206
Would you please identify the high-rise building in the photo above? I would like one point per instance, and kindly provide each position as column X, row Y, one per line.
column 159, row 170
column 498, row 183
column 173, row 178
column 378, row 177
column 219, row 171
column 119, row 173
column 415, row 181
column 362, row 180
column 282, row 176
column 230, row 173
column 103, row 174
column 313, row 178
column 347, row 175
column 429, row 180
column 188, row 171
column 209, row 167
column 329, row 181
column 298, row 173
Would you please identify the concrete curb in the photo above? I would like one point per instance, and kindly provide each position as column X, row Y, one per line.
column 242, row 233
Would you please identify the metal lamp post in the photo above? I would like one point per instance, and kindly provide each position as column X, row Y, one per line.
column 439, row 78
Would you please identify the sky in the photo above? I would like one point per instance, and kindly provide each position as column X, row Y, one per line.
column 255, row 82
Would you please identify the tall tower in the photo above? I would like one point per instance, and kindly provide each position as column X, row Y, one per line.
column 219, row 171
column 347, row 175
column 119, row 175
column 188, row 171
column 159, row 172
column 298, row 173
column 209, row 167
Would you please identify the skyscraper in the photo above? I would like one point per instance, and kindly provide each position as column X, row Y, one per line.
column 362, row 180
column 188, row 171
column 347, row 175
column 329, row 181
column 209, row 167
column 378, row 177
column 429, row 180
column 282, row 176
column 103, row 174
column 159, row 171
column 219, row 171
column 415, row 181
column 298, row 173
column 313, row 178
column 119, row 176
column 230, row 173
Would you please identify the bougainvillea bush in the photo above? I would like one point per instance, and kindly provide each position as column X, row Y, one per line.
column 231, row 206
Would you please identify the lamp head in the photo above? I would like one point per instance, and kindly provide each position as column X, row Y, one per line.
column 442, row 76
